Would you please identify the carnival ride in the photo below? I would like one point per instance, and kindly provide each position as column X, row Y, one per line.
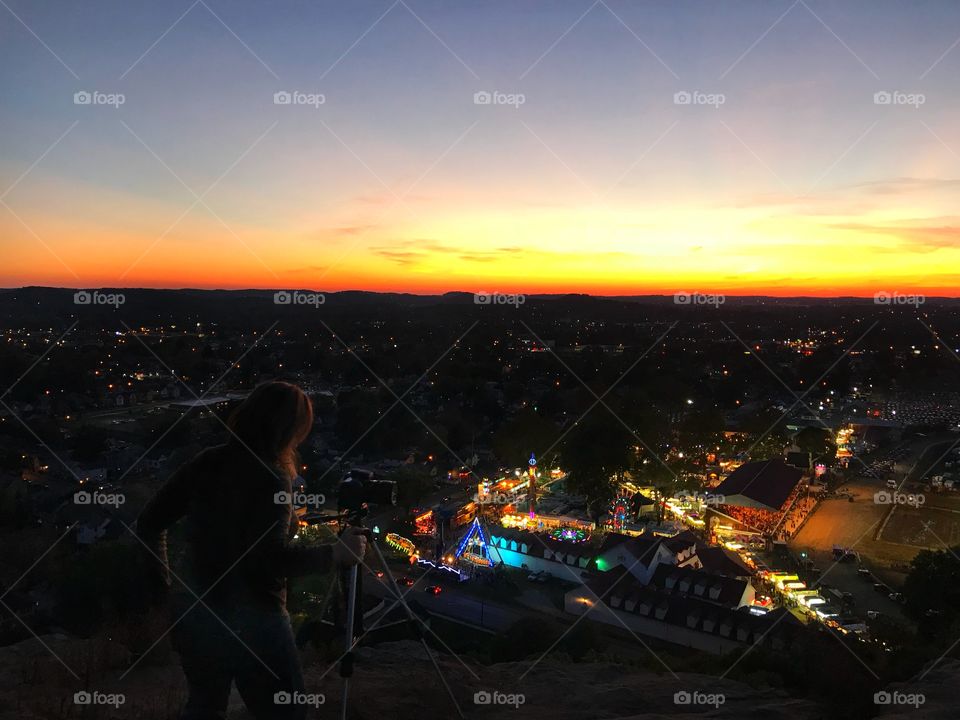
column 570, row 534
column 474, row 550
column 402, row 544
column 620, row 511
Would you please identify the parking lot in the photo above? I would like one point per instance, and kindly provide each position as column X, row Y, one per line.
column 928, row 526
column 844, row 577
column 934, row 460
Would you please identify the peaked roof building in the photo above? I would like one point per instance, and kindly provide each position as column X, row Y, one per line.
column 764, row 484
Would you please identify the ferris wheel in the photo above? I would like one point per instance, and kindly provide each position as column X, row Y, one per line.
column 620, row 511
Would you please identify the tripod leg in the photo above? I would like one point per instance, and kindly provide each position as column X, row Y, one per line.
column 395, row 590
column 346, row 663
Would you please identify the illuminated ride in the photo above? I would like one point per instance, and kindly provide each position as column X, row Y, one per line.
column 568, row 534
column 474, row 549
column 402, row 544
column 532, row 484
column 619, row 512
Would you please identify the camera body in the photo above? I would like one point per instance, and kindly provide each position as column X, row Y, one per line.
column 360, row 487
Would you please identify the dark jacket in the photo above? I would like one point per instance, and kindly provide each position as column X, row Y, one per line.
column 238, row 534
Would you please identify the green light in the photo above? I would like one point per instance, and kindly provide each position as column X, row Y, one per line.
column 602, row 565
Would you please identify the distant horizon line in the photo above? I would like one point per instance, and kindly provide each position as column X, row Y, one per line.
column 665, row 295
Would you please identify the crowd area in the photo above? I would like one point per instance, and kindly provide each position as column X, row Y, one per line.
column 795, row 517
column 763, row 521
column 779, row 526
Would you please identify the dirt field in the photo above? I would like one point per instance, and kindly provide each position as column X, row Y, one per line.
column 855, row 525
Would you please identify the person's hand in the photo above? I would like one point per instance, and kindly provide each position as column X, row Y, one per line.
column 351, row 548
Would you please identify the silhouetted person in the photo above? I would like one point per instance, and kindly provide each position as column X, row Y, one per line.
column 235, row 499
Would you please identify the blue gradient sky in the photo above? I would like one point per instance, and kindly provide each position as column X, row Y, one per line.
column 598, row 182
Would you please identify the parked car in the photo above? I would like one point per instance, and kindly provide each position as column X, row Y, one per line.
column 881, row 588
column 405, row 581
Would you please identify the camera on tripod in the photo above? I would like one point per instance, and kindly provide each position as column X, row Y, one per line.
column 360, row 487
column 356, row 490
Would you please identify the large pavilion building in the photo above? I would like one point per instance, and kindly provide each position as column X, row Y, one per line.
column 755, row 498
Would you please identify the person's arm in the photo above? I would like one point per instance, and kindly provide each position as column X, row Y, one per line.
column 271, row 527
column 168, row 505
column 269, row 531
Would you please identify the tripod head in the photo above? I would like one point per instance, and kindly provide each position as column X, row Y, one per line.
column 357, row 489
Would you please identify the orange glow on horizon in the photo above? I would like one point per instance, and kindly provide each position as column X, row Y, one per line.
column 588, row 250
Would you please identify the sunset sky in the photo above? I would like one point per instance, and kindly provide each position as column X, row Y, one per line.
column 798, row 183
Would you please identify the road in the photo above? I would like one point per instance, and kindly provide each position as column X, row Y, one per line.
column 452, row 602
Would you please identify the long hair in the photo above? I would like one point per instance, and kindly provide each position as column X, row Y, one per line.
column 272, row 422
